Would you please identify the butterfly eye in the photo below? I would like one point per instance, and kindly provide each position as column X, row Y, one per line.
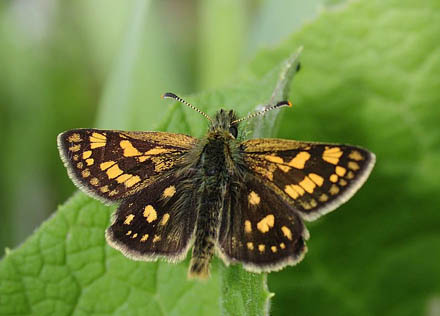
column 233, row 130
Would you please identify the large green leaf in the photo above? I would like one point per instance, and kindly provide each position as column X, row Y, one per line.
column 370, row 77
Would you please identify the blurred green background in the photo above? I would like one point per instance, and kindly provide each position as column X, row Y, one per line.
column 379, row 254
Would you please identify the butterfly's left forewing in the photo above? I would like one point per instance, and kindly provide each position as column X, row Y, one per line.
column 314, row 178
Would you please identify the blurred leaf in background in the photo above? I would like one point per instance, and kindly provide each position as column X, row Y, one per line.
column 369, row 77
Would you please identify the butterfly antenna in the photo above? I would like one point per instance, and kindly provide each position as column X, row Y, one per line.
column 170, row 95
column 262, row 112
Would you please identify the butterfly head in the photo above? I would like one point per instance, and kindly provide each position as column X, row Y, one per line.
column 225, row 122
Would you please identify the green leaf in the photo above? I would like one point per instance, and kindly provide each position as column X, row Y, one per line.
column 244, row 293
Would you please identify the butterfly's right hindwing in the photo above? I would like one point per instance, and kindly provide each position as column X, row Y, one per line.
column 261, row 230
column 157, row 222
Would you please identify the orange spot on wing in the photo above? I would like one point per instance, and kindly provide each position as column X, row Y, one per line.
column 114, row 172
column 307, row 184
column 287, row 232
column 299, row 160
column 132, row 181
column 150, row 213
column 129, row 149
column 316, row 178
column 266, row 223
column 332, row 155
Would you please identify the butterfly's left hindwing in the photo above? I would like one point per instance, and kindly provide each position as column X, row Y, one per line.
column 111, row 165
column 157, row 222
column 261, row 230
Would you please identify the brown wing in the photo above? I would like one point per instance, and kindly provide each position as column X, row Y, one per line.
column 110, row 165
column 313, row 178
column 157, row 222
column 261, row 230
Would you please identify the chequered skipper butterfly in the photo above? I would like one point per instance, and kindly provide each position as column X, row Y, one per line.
column 245, row 199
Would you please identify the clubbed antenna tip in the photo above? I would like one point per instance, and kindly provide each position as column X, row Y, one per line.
column 169, row 95
column 267, row 109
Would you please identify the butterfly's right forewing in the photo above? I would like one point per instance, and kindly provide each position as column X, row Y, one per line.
column 111, row 165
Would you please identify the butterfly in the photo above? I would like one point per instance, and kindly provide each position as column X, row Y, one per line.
column 247, row 200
